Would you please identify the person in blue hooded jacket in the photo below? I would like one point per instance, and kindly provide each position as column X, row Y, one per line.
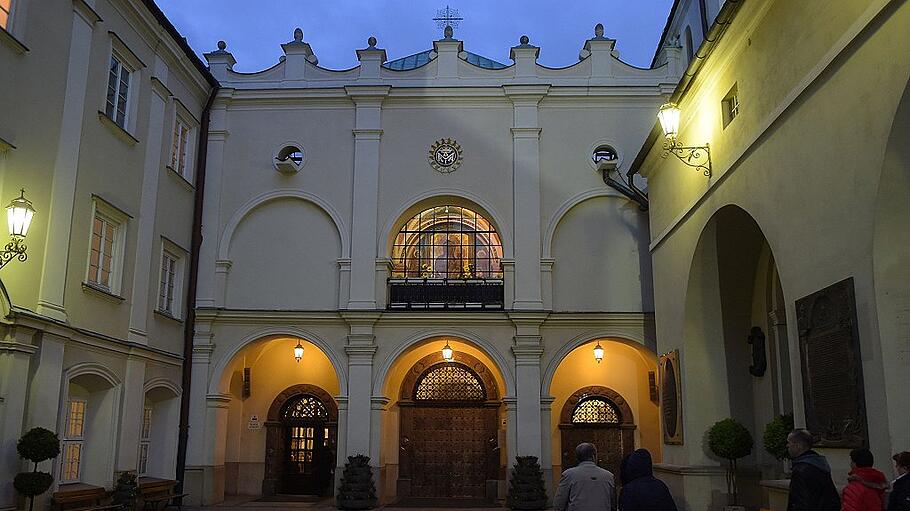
column 811, row 486
column 641, row 491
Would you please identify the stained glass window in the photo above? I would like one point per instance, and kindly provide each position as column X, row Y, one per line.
column 305, row 407
column 595, row 410
column 449, row 382
column 447, row 242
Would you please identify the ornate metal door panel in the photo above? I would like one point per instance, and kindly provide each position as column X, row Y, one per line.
column 450, row 451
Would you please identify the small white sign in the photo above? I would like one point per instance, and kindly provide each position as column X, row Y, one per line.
column 254, row 423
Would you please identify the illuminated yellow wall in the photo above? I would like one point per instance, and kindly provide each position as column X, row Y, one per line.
column 624, row 370
column 273, row 369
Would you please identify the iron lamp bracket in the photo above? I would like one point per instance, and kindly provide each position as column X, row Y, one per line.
column 697, row 157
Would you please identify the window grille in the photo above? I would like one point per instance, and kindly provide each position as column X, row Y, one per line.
column 449, row 382
column 595, row 410
column 305, row 407
column 447, row 242
column 73, row 441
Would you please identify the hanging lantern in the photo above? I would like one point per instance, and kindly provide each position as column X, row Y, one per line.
column 447, row 352
column 669, row 120
column 298, row 351
column 598, row 352
column 19, row 215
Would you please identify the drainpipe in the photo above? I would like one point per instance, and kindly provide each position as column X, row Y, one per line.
column 188, row 326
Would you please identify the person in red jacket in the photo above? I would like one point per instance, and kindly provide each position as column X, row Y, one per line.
column 865, row 490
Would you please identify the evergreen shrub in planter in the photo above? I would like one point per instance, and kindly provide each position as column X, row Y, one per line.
column 36, row 445
column 526, row 487
column 357, row 490
column 775, row 437
column 730, row 440
column 126, row 491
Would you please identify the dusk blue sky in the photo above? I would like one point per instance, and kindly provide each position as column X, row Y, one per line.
column 255, row 30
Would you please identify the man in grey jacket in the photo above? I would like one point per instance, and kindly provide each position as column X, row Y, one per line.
column 585, row 487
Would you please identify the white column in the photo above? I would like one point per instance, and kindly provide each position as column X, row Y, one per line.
column 216, row 411
column 341, row 452
column 211, row 203
column 367, row 133
column 546, row 444
column 360, row 386
column 63, row 189
column 526, row 193
column 527, row 350
column 378, row 405
column 131, row 408
column 511, row 432
column 202, row 354
column 145, row 265
column 16, row 352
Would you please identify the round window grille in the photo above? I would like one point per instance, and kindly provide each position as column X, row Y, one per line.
column 604, row 153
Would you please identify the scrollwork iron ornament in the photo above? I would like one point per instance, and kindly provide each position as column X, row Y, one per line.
column 445, row 155
column 697, row 157
column 15, row 249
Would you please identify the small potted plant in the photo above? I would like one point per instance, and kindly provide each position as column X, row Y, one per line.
column 775, row 437
column 126, row 491
column 526, row 488
column 730, row 440
column 357, row 490
column 36, row 445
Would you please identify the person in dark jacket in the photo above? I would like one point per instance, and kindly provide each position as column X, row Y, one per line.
column 900, row 491
column 865, row 490
column 641, row 491
column 811, row 486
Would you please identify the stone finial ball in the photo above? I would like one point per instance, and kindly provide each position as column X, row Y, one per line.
column 524, row 39
column 298, row 35
column 448, row 32
column 371, row 41
column 222, row 45
column 599, row 30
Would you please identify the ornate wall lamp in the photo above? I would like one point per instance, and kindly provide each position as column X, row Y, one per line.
column 447, row 352
column 19, row 215
column 598, row 353
column 298, row 351
column 698, row 157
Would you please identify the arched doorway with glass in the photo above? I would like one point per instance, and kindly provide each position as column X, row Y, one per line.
column 300, row 442
column 447, row 256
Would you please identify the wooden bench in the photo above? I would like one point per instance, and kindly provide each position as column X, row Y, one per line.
column 154, row 492
column 81, row 497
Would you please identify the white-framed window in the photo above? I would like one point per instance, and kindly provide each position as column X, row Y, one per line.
column 6, row 9
column 730, row 106
column 118, row 90
column 105, row 256
column 73, row 441
column 170, row 279
column 179, row 148
column 145, row 438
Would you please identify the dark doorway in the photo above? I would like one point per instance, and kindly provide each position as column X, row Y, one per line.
column 600, row 416
column 300, row 443
column 449, row 435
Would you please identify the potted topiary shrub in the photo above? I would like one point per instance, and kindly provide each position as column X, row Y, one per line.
column 526, row 487
column 36, row 445
column 357, row 490
column 730, row 440
column 775, row 437
column 126, row 491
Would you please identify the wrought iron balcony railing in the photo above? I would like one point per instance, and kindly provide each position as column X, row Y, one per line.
column 446, row 294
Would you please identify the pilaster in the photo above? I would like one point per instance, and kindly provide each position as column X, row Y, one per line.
column 360, row 349
column 131, row 415
column 367, row 134
column 526, row 184
column 16, row 355
column 527, row 349
column 66, row 166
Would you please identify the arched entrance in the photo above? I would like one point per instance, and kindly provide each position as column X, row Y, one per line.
column 301, row 434
column 448, row 429
column 602, row 417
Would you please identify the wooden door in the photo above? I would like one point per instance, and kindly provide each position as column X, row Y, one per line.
column 612, row 444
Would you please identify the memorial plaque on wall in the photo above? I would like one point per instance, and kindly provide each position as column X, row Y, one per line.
column 671, row 398
column 832, row 367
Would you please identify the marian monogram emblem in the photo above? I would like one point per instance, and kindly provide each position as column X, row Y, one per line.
column 445, row 155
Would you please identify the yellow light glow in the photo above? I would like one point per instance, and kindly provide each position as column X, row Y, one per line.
column 19, row 215
column 598, row 353
column 298, row 351
column 447, row 352
column 668, row 115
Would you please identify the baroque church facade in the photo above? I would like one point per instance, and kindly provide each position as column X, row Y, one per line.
column 442, row 261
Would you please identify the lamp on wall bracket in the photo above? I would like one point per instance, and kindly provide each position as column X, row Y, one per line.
column 19, row 215
column 298, row 351
column 697, row 157
column 598, row 353
column 447, row 352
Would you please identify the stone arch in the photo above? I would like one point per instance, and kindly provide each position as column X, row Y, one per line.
column 629, row 338
column 162, row 383
column 259, row 200
column 625, row 411
column 427, row 363
column 93, row 370
column 6, row 305
column 162, row 399
column 564, row 208
column 99, row 391
column 218, row 386
column 502, row 365
column 438, row 197
column 890, row 253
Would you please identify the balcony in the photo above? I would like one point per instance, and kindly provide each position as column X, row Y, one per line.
column 445, row 294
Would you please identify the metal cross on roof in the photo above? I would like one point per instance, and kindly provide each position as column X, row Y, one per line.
column 447, row 18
